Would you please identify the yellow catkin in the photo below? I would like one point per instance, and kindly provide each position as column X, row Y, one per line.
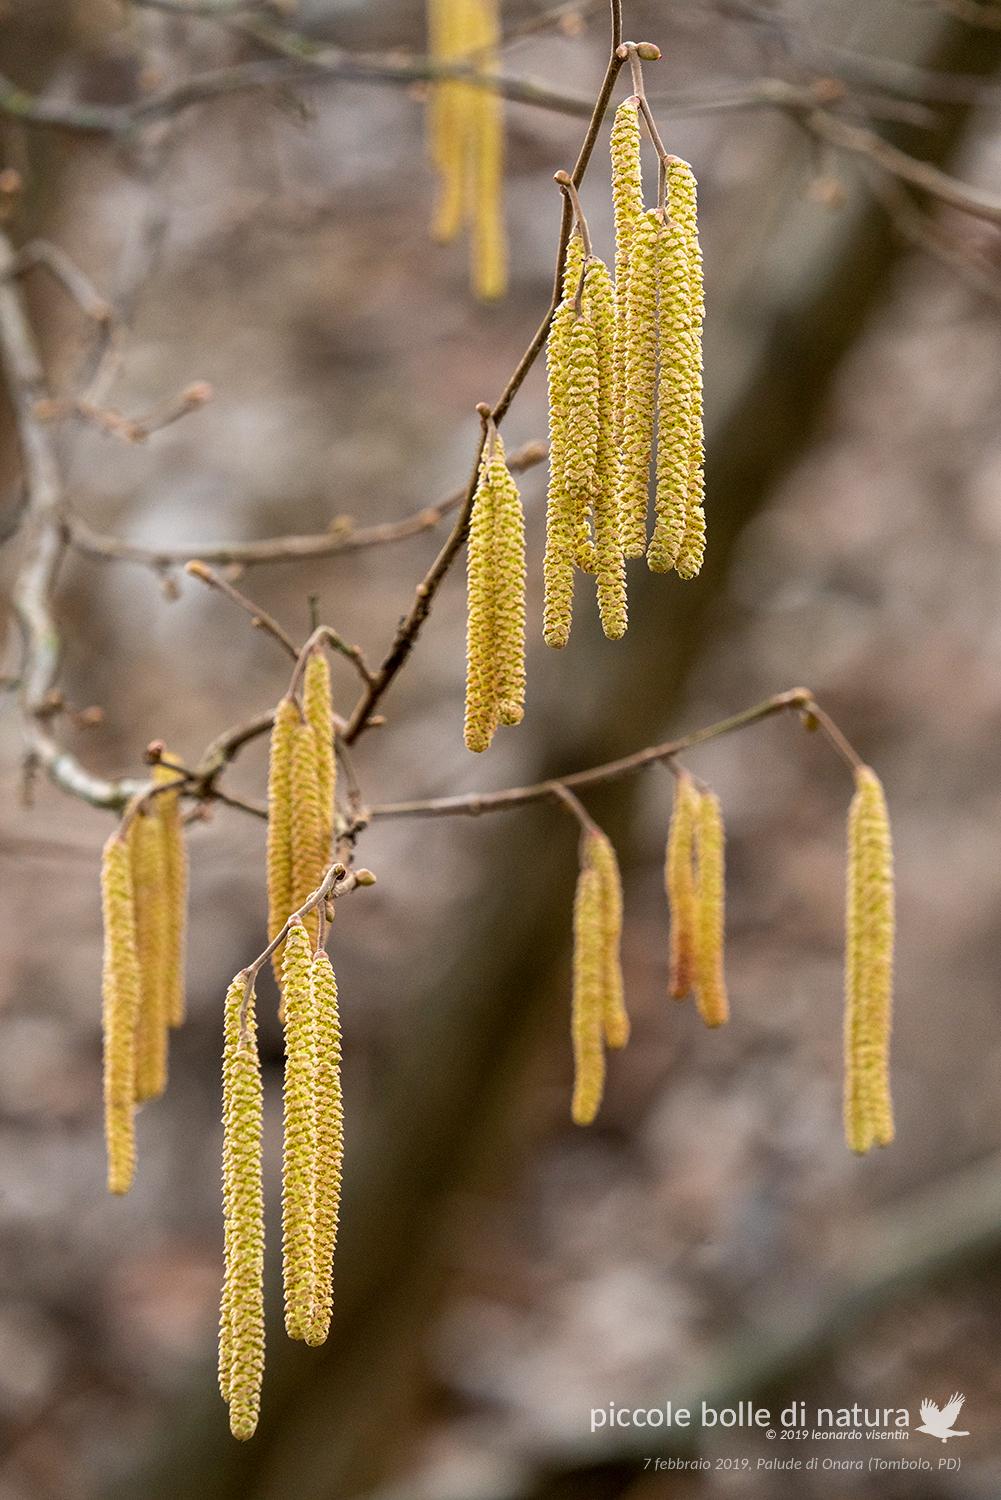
column 610, row 571
column 561, row 520
column 674, row 403
column 279, row 855
column 329, row 1141
column 168, row 809
column 683, row 207
column 481, row 693
column 241, row 1319
column 627, row 197
column 489, row 246
column 710, row 897
column 580, row 462
column 318, row 708
column 508, row 589
column 587, row 1013
column 308, row 862
column 639, row 396
column 868, row 967
column 299, row 1154
column 121, row 996
column 147, row 849
column 615, row 1019
column 448, row 116
column 679, row 881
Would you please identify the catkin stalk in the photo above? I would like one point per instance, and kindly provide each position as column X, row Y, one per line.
column 241, row 1321
column 615, row 1019
column 299, row 1154
column 318, row 709
column 147, row 849
column 279, row 854
column 710, row 984
column 679, row 880
column 168, row 809
column 588, row 982
column 868, row 967
column 121, row 998
column 610, row 574
column 329, row 1141
column 308, row 860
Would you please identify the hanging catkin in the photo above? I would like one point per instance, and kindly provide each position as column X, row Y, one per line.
column 241, row 1317
column 299, row 1155
column 279, row 855
column 495, row 596
column 868, row 967
column 587, row 1019
column 710, row 984
column 121, row 996
column 481, row 696
column 627, row 196
column 167, row 807
column 679, row 880
column 640, row 385
column 610, row 574
column 319, row 712
column 308, row 858
column 682, row 200
column 674, row 403
column 615, row 1019
column 489, row 246
column 329, row 1141
column 147, row 849
column 562, row 532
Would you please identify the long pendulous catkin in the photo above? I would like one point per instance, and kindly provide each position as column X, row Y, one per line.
column 481, row 695
column 627, row 197
column 710, row 897
column 329, row 1141
column 147, row 850
column 615, row 1019
column 563, row 540
column 679, row 881
column 279, row 853
column 168, row 809
column 308, row 857
column 495, row 596
column 682, row 201
column 868, row 967
column 299, row 1154
column 587, row 1017
column 674, row 399
column 121, row 997
column 610, row 574
column 640, row 388
column 241, row 1318
column 317, row 706
column 489, row 245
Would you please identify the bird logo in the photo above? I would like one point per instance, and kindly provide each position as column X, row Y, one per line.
column 937, row 1422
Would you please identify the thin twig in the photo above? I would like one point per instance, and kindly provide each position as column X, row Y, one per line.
column 258, row 616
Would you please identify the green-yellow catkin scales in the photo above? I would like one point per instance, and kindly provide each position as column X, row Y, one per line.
column 627, row 197
column 299, row 1154
column 121, row 997
column 580, row 461
column 329, row 1141
column 508, row 588
column 317, row 705
column 679, row 882
column 279, row 854
column 710, row 896
column 615, row 1019
column 610, row 570
column 640, row 383
column 167, row 807
column 489, row 244
column 149, row 885
column 587, row 1017
column 682, row 202
column 868, row 967
column 674, row 399
column 241, row 1318
column 481, row 696
column 308, row 859
column 562, row 537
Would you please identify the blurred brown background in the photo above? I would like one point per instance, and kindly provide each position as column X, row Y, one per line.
column 500, row 1272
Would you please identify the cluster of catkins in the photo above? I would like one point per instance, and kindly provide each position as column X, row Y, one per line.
column 301, row 790
column 625, row 394
column 466, row 138
column 144, row 878
column 695, row 883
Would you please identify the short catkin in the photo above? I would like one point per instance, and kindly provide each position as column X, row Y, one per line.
column 299, row 1153
column 147, row 849
column 610, row 574
column 241, row 1318
column 615, row 1019
column 279, row 850
column 627, row 198
column 710, row 984
column 587, row 1015
column 121, row 1000
column 868, row 967
column 329, row 1141
column 679, row 880
column 167, row 807
column 317, row 706
column 495, row 597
